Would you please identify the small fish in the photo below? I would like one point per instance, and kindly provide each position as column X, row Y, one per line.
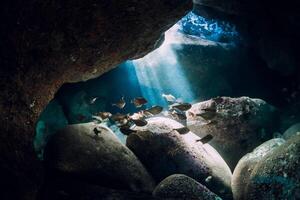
column 120, row 104
column 208, row 115
column 93, row 100
column 182, row 131
column 155, row 110
column 119, row 117
column 139, row 101
column 169, row 98
column 96, row 131
column 178, row 116
column 140, row 122
column 205, row 139
column 126, row 130
column 136, row 116
column 181, row 106
column 104, row 115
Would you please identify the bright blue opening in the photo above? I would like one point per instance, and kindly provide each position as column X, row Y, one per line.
column 209, row 29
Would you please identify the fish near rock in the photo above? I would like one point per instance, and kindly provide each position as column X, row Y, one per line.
column 181, row 106
column 169, row 98
column 120, row 104
column 155, row 110
column 75, row 150
column 182, row 131
column 165, row 152
column 139, row 102
column 235, row 123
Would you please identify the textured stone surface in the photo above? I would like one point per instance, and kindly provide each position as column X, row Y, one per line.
column 179, row 186
column 165, row 152
column 238, row 123
column 291, row 131
column 47, row 43
column 102, row 159
column 277, row 175
column 244, row 168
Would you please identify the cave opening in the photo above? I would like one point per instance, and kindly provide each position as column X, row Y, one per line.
column 203, row 62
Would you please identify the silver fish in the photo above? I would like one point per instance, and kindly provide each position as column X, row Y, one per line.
column 93, row 100
column 169, row 98
column 120, row 104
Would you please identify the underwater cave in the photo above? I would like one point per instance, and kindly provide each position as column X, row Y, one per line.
column 199, row 101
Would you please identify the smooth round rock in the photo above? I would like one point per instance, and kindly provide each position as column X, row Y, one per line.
column 101, row 159
column 235, row 123
column 277, row 176
column 179, row 186
column 291, row 131
column 165, row 152
column 245, row 166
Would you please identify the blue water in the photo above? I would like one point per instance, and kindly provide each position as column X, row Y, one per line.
column 160, row 72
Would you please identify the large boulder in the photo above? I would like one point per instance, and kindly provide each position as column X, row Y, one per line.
column 47, row 44
column 179, row 186
column 291, row 131
column 244, row 168
column 277, row 176
column 235, row 123
column 100, row 159
column 165, row 152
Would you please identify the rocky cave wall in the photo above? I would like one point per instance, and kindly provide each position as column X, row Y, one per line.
column 47, row 43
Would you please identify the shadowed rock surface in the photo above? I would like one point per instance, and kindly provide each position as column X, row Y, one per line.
column 277, row 175
column 179, row 186
column 235, row 123
column 244, row 168
column 100, row 159
column 291, row 131
column 165, row 152
column 48, row 43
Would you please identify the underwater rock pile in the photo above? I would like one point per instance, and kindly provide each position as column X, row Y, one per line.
column 179, row 186
column 163, row 159
column 165, row 152
column 245, row 166
column 235, row 123
column 101, row 158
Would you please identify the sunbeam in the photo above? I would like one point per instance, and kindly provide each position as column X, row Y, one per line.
column 160, row 72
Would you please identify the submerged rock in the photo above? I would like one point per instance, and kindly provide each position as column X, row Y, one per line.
column 291, row 131
column 277, row 176
column 96, row 156
column 165, row 152
column 179, row 186
column 245, row 166
column 235, row 123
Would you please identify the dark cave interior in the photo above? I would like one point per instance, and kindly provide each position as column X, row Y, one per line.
column 231, row 130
